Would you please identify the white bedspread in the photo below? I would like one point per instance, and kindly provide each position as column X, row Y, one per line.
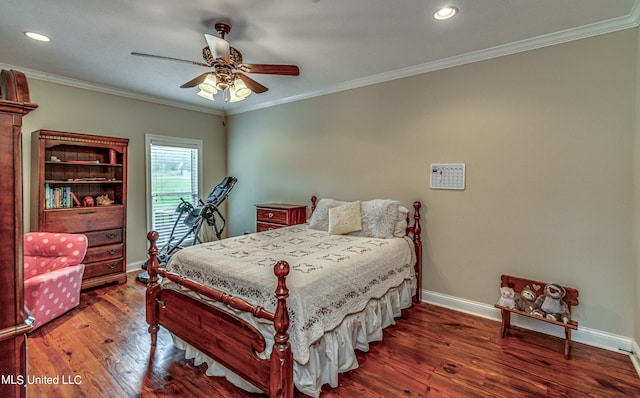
column 331, row 277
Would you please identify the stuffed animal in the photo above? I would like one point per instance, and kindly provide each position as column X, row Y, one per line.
column 550, row 304
column 104, row 200
column 507, row 297
column 525, row 299
column 87, row 201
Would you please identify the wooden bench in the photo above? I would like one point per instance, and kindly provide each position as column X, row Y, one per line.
column 517, row 284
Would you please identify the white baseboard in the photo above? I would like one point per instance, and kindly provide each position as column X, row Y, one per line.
column 135, row 266
column 635, row 356
column 585, row 335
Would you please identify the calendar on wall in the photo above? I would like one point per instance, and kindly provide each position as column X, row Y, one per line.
column 447, row 176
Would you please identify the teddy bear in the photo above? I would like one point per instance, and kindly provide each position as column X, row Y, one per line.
column 507, row 297
column 525, row 299
column 550, row 304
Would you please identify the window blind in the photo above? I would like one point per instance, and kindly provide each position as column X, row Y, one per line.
column 173, row 175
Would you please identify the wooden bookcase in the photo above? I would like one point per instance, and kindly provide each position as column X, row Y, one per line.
column 70, row 169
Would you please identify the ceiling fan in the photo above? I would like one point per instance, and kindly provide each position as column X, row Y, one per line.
column 228, row 74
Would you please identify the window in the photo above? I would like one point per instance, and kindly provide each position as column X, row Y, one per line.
column 174, row 172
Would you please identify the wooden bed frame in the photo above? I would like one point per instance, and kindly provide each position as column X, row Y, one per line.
column 228, row 339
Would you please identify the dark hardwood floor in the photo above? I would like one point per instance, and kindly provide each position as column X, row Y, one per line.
column 102, row 349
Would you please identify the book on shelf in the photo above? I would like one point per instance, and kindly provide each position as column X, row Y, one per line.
column 57, row 197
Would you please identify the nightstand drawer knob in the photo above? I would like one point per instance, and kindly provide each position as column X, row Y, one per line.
column 270, row 215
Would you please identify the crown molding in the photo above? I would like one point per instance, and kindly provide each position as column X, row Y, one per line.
column 65, row 81
column 599, row 28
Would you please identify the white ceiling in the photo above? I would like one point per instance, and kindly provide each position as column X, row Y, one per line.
column 338, row 44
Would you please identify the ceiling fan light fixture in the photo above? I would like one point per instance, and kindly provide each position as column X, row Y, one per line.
column 211, row 79
column 241, row 89
column 238, row 91
column 445, row 13
column 207, row 88
column 235, row 98
column 206, row 94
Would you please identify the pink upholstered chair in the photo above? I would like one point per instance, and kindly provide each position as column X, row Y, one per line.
column 52, row 273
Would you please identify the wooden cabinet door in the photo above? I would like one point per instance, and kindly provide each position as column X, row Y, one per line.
column 14, row 104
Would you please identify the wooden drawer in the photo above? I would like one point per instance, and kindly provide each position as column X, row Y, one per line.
column 265, row 226
column 100, row 268
column 276, row 216
column 103, row 253
column 100, row 238
column 83, row 219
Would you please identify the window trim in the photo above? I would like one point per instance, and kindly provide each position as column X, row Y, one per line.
column 150, row 139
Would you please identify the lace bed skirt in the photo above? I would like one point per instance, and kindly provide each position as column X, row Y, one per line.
column 334, row 352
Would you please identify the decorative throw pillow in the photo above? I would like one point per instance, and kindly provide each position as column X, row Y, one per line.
column 345, row 219
column 379, row 218
column 320, row 217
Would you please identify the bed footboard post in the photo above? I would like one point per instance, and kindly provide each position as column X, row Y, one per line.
column 153, row 288
column 417, row 242
column 281, row 375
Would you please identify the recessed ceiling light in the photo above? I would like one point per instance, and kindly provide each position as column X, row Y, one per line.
column 445, row 13
column 37, row 36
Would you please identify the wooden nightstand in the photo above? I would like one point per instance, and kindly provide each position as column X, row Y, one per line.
column 278, row 215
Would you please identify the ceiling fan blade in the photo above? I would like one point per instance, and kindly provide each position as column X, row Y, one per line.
column 271, row 69
column 170, row 59
column 252, row 84
column 196, row 81
column 219, row 47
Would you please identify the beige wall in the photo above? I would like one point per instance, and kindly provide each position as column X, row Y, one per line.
column 71, row 109
column 548, row 140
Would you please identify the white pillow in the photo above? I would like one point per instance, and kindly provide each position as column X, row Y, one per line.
column 401, row 224
column 345, row 219
column 379, row 218
column 320, row 217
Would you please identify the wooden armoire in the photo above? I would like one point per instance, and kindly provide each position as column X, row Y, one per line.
column 14, row 318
